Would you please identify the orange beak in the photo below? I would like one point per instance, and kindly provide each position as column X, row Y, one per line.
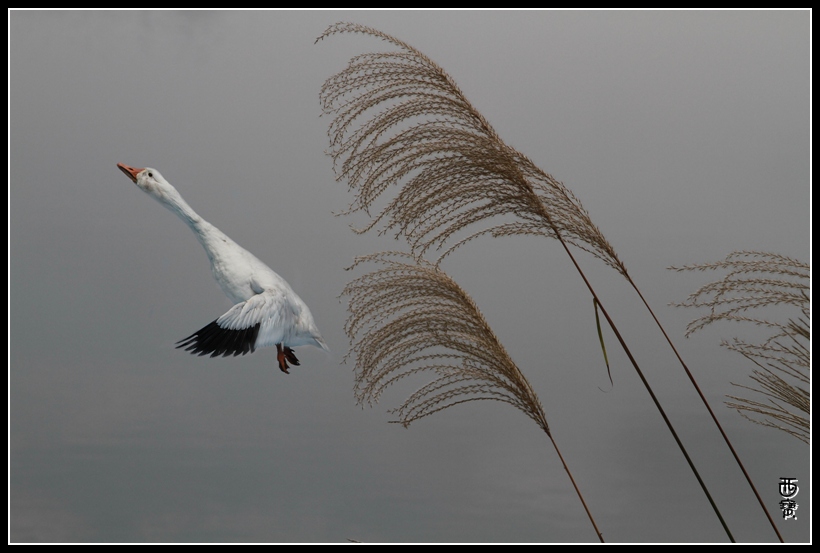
column 132, row 172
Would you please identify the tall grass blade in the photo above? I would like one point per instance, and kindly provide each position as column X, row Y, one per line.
column 601, row 339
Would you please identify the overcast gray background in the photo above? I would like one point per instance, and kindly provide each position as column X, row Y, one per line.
column 685, row 134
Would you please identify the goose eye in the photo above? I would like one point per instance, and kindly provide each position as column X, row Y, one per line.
column 150, row 174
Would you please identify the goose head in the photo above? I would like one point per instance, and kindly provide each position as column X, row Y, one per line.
column 154, row 184
column 150, row 181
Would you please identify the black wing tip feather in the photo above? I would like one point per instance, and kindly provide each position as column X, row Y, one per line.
column 214, row 340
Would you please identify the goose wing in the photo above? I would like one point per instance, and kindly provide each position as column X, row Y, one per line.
column 262, row 320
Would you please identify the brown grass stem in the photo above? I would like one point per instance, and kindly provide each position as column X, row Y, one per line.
column 711, row 412
column 649, row 389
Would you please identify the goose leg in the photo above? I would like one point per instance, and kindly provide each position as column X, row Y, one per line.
column 281, row 358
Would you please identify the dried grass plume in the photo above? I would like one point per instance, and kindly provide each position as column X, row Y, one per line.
column 407, row 317
column 758, row 281
column 400, row 120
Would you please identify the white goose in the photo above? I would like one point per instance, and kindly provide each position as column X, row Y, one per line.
column 267, row 311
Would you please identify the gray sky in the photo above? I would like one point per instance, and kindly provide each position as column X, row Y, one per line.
column 685, row 135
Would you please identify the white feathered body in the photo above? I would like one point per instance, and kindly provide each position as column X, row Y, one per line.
column 260, row 294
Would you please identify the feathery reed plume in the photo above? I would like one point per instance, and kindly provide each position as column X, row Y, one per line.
column 407, row 317
column 754, row 281
column 453, row 169
column 405, row 313
column 401, row 120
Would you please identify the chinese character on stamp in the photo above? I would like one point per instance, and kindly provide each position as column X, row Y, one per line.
column 788, row 490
